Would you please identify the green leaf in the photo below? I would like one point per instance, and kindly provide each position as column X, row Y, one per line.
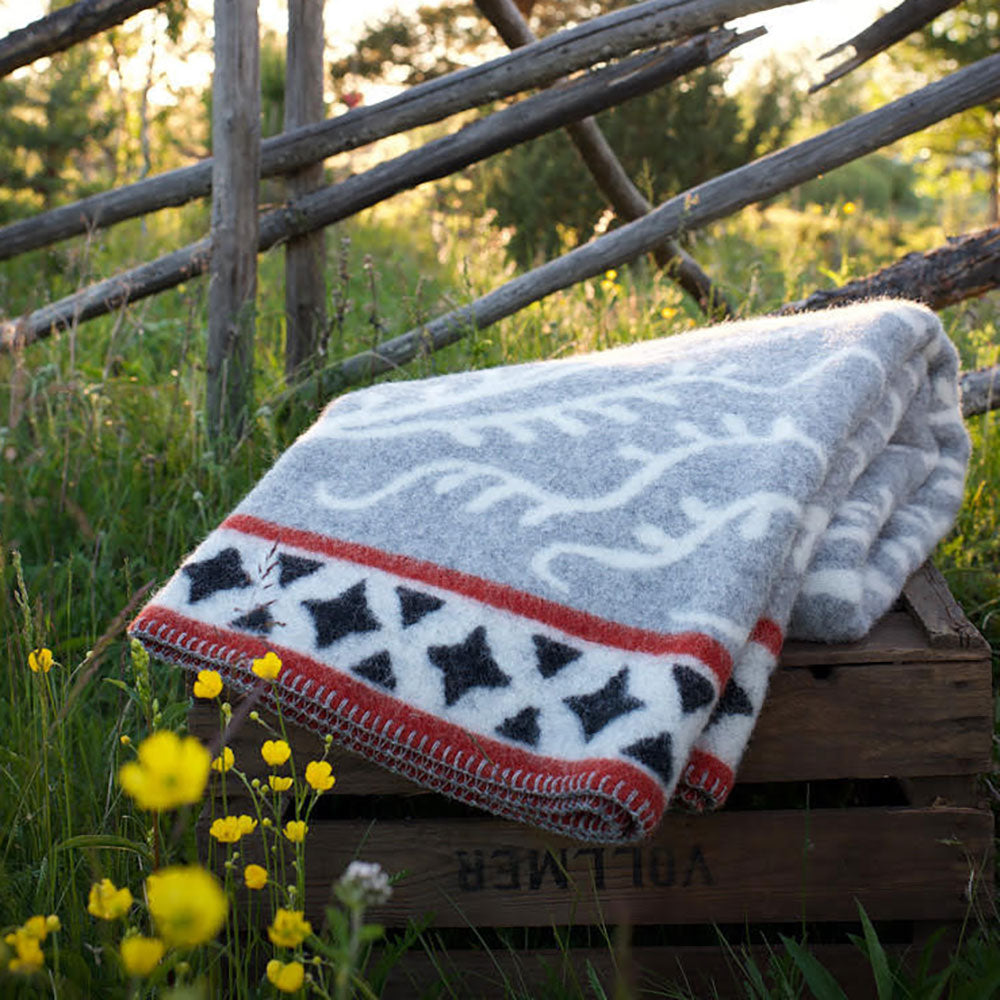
column 370, row 933
column 595, row 982
column 877, row 958
column 127, row 688
column 105, row 841
column 818, row 979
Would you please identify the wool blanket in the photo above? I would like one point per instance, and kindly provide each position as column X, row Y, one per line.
column 557, row 590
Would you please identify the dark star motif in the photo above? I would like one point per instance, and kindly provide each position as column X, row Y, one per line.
column 342, row 615
column 377, row 669
column 294, row 568
column 413, row 605
column 696, row 691
column 734, row 701
column 553, row 656
column 258, row 620
column 600, row 707
column 469, row 664
column 222, row 572
column 522, row 727
column 656, row 752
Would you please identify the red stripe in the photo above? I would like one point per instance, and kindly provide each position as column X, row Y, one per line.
column 192, row 642
column 708, row 775
column 569, row 620
column 769, row 635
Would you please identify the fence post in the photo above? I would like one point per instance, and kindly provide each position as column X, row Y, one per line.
column 305, row 256
column 235, row 180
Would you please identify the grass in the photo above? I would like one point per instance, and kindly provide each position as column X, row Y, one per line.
column 108, row 480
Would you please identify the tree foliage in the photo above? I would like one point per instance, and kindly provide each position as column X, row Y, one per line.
column 667, row 141
column 51, row 126
column 970, row 141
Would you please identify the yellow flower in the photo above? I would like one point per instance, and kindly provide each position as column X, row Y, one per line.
column 668, row 312
column 319, row 775
column 36, row 927
column 296, row 830
column 27, row 951
column 286, row 977
column 226, row 830
column 40, row 660
column 187, row 904
column 224, row 761
column 289, row 928
column 247, row 823
column 255, row 876
column 268, row 666
column 279, row 784
column 140, row 955
column 275, row 752
column 849, row 208
column 611, row 274
column 170, row 771
column 208, row 684
column 108, row 902
column 52, row 923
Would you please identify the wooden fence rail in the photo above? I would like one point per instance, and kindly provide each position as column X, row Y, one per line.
column 532, row 117
column 612, row 36
column 705, row 203
column 64, row 28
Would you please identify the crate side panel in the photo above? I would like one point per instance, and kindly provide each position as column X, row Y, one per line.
column 724, row 868
column 874, row 720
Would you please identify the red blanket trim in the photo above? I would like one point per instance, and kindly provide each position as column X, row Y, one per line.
column 569, row 620
column 769, row 635
column 621, row 799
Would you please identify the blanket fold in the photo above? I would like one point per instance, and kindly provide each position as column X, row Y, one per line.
column 557, row 590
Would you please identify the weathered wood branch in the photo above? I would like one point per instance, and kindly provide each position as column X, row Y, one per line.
column 610, row 176
column 909, row 16
column 642, row 26
column 305, row 257
column 962, row 269
column 980, row 391
column 714, row 199
column 64, row 28
column 232, row 291
column 532, row 117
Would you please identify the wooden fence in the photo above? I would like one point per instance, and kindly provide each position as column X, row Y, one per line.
column 638, row 48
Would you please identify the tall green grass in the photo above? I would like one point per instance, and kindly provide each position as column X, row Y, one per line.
column 107, row 480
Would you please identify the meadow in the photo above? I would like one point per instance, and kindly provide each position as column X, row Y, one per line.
column 107, row 479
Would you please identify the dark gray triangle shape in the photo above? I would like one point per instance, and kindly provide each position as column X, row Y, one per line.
column 466, row 665
column 695, row 689
column 734, row 701
column 414, row 605
column 258, row 620
column 552, row 656
column 656, row 752
column 597, row 709
column 377, row 669
column 295, row 567
column 344, row 614
column 522, row 727
column 224, row 571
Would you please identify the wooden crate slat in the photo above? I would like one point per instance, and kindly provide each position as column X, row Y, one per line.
column 726, row 868
column 874, row 720
column 897, row 638
column 930, row 602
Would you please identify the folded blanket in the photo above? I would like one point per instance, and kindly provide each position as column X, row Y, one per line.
column 557, row 590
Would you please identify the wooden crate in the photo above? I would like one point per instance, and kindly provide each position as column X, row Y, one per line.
column 859, row 786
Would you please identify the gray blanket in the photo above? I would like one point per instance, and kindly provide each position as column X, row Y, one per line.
column 557, row 590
